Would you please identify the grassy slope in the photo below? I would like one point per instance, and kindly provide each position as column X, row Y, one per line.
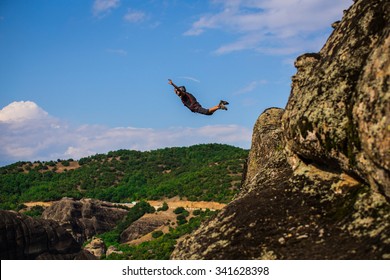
column 210, row 172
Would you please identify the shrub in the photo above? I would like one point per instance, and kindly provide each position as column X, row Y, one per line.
column 35, row 211
column 181, row 219
column 157, row 234
column 178, row 210
column 164, row 207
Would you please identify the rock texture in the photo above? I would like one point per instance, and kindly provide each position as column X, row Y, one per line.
column 317, row 182
column 23, row 237
column 267, row 160
column 86, row 217
column 339, row 107
column 113, row 250
column 140, row 227
column 96, row 247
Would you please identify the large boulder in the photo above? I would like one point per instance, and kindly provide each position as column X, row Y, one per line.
column 96, row 247
column 235, row 232
column 139, row 228
column 338, row 111
column 266, row 159
column 24, row 237
column 85, row 218
column 308, row 212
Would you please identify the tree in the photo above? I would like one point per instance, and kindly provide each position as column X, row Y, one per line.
column 164, row 207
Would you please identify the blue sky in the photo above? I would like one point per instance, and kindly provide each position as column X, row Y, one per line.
column 85, row 77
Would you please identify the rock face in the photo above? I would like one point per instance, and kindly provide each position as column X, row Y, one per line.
column 96, row 247
column 23, row 237
column 338, row 111
column 266, row 154
column 64, row 226
column 317, row 182
column 139, row 228
column 84, row 218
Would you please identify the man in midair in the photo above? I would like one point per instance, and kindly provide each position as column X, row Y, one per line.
column 191, row 103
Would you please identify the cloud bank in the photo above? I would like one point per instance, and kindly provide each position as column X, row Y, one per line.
column 277, row 26
column 29, row 133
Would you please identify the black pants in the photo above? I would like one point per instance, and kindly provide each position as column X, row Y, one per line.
column 199, row 109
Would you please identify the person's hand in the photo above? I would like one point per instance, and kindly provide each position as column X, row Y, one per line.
column 170, row 82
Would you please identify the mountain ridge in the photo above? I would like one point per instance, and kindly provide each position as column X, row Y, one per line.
column 200, row 172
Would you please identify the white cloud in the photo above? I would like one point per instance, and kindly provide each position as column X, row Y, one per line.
column 102, row 7
column 277, row 26
column 189, row 78
column 250, row 87
column 28, row 133
column 21, row 111
column 134, row 16
column 249, row 41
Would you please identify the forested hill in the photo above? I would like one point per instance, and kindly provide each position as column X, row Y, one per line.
column 210, row 172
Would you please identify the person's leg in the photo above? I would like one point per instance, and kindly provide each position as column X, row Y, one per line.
column 205, row 111
column 213, row 109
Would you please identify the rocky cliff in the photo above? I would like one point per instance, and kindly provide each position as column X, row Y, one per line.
column 338, row 111
column 140, row 227
column 23, row 237
column 317, row 182
column 59, row 234
column 85, row 218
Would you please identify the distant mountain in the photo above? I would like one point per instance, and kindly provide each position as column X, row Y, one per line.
column 208, row 172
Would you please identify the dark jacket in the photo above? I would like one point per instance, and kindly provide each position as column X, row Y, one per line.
column 190, row 101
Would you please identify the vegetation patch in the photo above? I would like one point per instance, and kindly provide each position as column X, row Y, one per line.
column 161, row 247
column 209, row 172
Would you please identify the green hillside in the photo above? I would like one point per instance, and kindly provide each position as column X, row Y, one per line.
column 209, row 172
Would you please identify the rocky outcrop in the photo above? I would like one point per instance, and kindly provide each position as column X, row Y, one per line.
column 267, row 160
column 61, row 231
column 96, row 247
column 86, row 217
column 140, row 227
column 309, row 212
column 317, row 180
column 23, row 237
column 113, row 250
column 338, row 111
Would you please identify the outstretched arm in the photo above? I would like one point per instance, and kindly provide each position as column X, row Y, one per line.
column 175, row 86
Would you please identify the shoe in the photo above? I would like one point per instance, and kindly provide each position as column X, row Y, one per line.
column 222, row 105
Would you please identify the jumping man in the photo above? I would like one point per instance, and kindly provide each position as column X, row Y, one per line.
column 191, row 103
